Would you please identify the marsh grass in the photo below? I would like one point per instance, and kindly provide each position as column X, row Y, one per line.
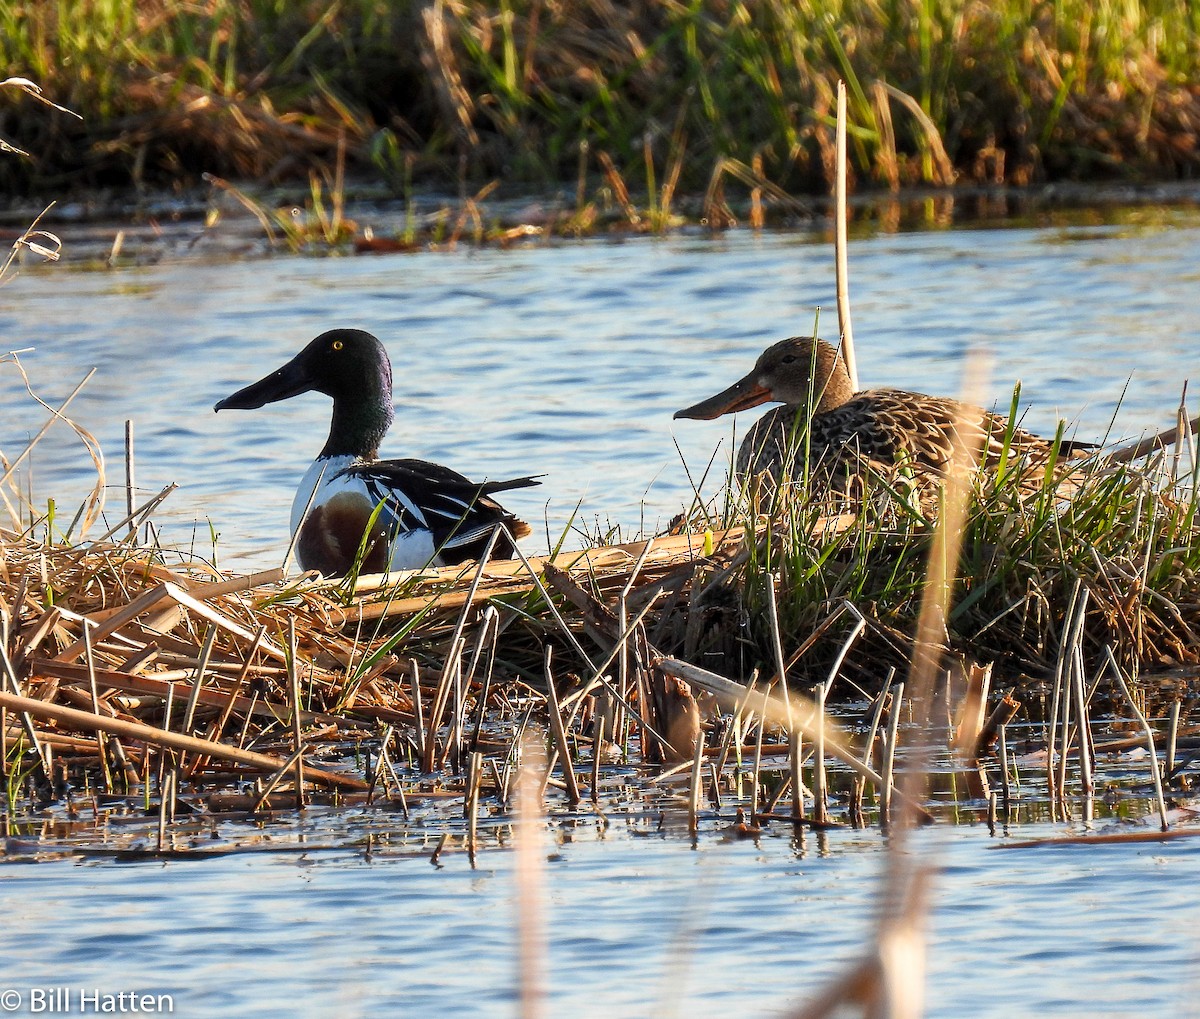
column 466, row 90
column 1127, row 532
column 146, row 674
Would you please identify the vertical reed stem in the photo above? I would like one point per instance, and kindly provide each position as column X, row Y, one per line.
column 597, row 752
column 694, row 789
column 1005, row 783
column 129, row 486
column 754, row 778
column 841, row 261
column 1172, row 737
column 294, row 688
column 795, row 759
column 560, row 731
column 1085, row 755
column 889, row 757
column 418, row 712
column 820, row 788
column 474, row 777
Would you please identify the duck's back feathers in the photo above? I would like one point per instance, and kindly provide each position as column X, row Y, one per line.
column 427, row 513
column 891, row 428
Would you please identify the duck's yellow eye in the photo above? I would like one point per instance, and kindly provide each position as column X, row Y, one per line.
column 337, row 344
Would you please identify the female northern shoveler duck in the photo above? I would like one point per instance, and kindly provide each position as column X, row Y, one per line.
column 429, row 514
column 880, row 431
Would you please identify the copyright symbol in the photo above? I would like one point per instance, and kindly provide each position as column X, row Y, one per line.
column 10, row 1000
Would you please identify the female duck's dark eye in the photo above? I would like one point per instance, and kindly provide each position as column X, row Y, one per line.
column 789, row 358
column 337, row 344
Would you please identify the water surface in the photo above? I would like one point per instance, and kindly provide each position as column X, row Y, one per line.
column 568, row 360
column 646, row 926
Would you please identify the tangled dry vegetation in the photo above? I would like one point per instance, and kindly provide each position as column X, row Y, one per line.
column 129, row 661
column 1099, row 559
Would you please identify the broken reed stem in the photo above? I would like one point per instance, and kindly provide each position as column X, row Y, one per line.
column 559, row 730
column 771, row 709
column 1053, row 788
column 489, row 623
column 841, row 260
column 455, row 739
column 276, row 777
column 1081, row 708
column 1065, row 740
column 574, row 700
column 1005, row 783
column 163, row 794
column 440, row 696
column 869, row 746
column 141, row 512
column 597, row 751
column 293, row 671
column 754, row 777
column 783, row 789
column 218, row 726
column 820, row 785
column 549, row 602
column 474, row 778
column 189, row 713
column 418, row 711
column 55, row 415
column 623, row 652
column 1172, row 736
column 695, row 785
column 14, row 687
column 795, row 772
column 90, row 661
column 820, row 790
column 87, row 721
column 740, row 726
column 889, row 757
column 1155, row 771
column 1004, row 712
column 381, row 771
column 733, row 734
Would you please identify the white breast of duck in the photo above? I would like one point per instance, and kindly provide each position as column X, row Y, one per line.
column 331, row 515
column 397, row 515
column 354, row 512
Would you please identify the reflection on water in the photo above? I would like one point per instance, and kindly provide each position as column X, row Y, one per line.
column 569, row 360
column 634, row 927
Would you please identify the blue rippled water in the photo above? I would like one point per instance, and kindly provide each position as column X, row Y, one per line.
column 637, row 927
column 568, row 359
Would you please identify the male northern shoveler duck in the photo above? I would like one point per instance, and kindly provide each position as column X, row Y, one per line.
column 880, row 431
column 430, row 514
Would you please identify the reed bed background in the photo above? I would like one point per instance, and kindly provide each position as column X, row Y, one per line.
column 666, row 95
column 1115, row 540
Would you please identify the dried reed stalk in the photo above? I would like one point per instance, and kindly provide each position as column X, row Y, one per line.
column 163, row 738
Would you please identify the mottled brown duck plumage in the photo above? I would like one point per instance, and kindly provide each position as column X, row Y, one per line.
column 889, row 433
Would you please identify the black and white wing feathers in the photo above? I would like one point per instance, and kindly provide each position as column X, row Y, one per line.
column 459, row 513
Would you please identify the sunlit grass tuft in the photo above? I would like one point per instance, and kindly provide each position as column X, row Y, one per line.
column 1127, row 532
